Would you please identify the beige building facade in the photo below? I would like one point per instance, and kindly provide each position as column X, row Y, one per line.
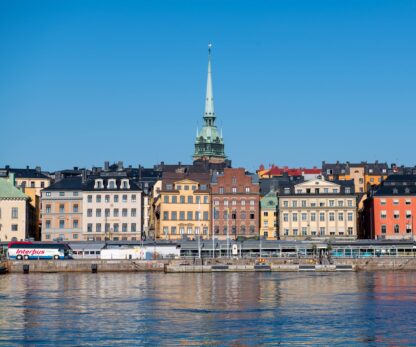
column 62, row 210
column 318, row 208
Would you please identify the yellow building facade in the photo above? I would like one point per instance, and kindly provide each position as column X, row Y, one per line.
column 183, row 208
column 268, row 216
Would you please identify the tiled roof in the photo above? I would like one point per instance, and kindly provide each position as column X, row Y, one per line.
column 26, row 173
column 68, row 183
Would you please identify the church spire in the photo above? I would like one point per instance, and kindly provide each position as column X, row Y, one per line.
column 209, row 98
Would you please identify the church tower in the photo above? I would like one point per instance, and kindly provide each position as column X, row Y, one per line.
column 209, row 144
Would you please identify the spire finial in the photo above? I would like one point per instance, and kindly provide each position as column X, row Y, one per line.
column 209, row 98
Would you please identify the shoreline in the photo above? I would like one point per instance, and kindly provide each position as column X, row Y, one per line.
column 209, row 265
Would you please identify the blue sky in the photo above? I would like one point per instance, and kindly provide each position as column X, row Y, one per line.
column 295, row 82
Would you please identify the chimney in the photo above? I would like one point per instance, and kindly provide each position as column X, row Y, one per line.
column 106, row 165
column 84, row 176
column 38, row 169
column 75, row 168
column 120, row 166
column 27, row 167
column 7, row 167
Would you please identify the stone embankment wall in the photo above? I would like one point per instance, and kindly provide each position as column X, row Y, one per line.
column 211, row 265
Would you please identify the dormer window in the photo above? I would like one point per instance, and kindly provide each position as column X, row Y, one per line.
column 125, row 184
column 99, row 184
column 111, row 184
column 347, row 190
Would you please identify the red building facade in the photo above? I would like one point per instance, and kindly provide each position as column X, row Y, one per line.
column 391, row 209
column 235, row 200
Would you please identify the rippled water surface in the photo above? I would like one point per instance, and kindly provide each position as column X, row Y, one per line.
column 233, row 309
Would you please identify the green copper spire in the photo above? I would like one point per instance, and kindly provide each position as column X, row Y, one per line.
column 209, row 144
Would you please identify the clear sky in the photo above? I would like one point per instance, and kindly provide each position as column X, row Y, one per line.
column 295, row 82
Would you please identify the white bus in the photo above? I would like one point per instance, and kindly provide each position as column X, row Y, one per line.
column 38, row 250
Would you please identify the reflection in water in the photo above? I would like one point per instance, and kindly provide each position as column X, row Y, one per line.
column 208, row 309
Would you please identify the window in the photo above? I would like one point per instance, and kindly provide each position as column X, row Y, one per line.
column 182, row 199
column 133, row 227
column 48, row 236
column 234, row 190
column 107, row 198
column 252, row 203
column 243, row 203
column 173, row 230
column 115, row 198
column 383, row 214
column 98, row 227
column 335, row 190
column 340, row 203
column 174, row 215
column 234, row 202
column 382, row 202
column 190, row 199
column 186, row 187
column 61, row 193
column 294, row 203
column 350, row 216
column 15, row 213
column 349, row 203
column 89, row 212
column 304, row 233
column 89, row 227
column 75, row 208
column 61, row 208
column 203, row 187
column 75, row 236
column 383, row 228
column 133, row 212
column 234, row 180
column 295, row 232
column 181, row 215
column 61, row 223
column 197, row 199
column 295, row 217
column 326, row 190
column 115, row 212
column 107, row 212
column 408, row 228
column 48, row 224
column 304, row 216
column 98, row 198
column 98, row 212
column 107, row 227
column 124, row 198
column 286, row 232
column 322, row 216
column 313, row 216
column 285, row 217
column 75, row 224
column 322, row 231
column 169, row 187
column 75, row 194
column 205, row 215
column 221, row 190
column 89, row 198
column 174, row 199
column 48, row 194
column 243, row 215
column 396, row 228
column 331, row 203
column 408, row 202
column 206, row 199
column 189, row 230
column 124, row 227
column 115, row 227
column 166, row 215
column 225, row 202
column 42, row 184
column 395, row 202
column 303, row 203
column 340, row 216
column 265, row 214
column 408, row 214
column 234, row 215
column 133, row 198
column 14, row 227
column 396, row 215
column 48, row 209
column 247, row 189
column 331, row 216
column 189, row 215
column 111, row 184
column 347, row 190
column 124, row 212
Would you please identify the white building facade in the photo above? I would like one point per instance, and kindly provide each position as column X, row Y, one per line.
column 112, row 209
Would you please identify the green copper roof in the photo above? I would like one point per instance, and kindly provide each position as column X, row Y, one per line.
column 269, row 201
column 9, row 191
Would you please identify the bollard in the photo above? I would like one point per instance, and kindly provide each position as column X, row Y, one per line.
column 94, row 268
column 26, row 268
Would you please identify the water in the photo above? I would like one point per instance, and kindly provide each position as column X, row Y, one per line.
column 233, row 309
